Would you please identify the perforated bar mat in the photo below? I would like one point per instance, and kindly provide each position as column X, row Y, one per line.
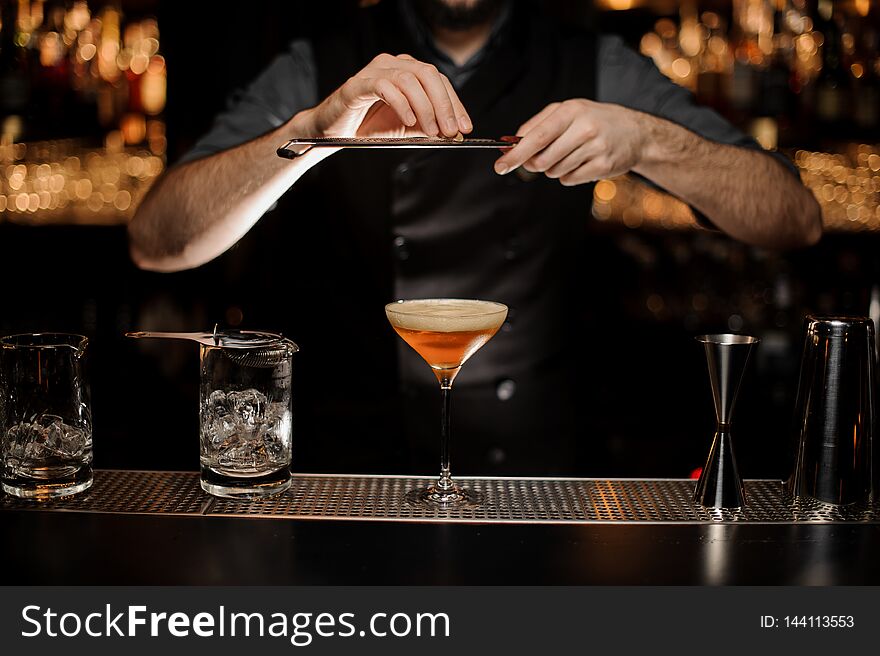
column 127, row 492
column 507, row 500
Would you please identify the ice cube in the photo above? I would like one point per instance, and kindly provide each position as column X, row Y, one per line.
column 18, row 440
column 216, row 403
column 53, row 430
column 220, row 430
column 47, row 437
column 243, row 431
column 73, row 442
column 59, row 438
column 248, row 406
column 240, row 453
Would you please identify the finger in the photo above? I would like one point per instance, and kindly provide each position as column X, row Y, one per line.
column 579, row 156
column 438, row 94
column 529, row 125
column 392, row 97
column 464, row 120
column 587, row 172
column 447, row 107
column 541, row 136
column 558, row 150
column 412, row 88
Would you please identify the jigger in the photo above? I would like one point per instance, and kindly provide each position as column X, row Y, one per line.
column 720, row 485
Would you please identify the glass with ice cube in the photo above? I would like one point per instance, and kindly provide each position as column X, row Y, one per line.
column 45, row 416
column 245, row 419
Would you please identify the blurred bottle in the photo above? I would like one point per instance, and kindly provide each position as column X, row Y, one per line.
column 775, row 95
column 53, row 96
column 15, row 85
column 715, row 64
column 866, row 81
column 742, row 91
column 832, row 83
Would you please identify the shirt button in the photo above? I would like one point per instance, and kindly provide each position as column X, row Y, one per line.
column 401, row 248
column 505, row 389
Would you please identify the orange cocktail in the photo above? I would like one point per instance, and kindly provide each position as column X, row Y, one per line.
column 446, row 332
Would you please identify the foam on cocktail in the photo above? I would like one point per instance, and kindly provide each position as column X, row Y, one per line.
column 447, row 315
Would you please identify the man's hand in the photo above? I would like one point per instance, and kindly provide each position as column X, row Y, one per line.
column 391, row 97
column 744, row 192
column 200, row 209
column 577, row 141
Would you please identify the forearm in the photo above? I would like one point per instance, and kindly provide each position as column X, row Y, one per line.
column 200, row 209
column 745, row 193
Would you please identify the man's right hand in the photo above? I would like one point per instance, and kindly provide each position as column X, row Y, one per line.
column 200, row 209
column 391, row 97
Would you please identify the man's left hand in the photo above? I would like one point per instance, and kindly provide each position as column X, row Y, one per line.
column 577, row 141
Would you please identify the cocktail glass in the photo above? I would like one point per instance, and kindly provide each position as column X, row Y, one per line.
column 446, row 332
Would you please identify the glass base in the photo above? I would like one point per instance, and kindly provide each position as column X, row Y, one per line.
column 457, row 497
column 47, row 489
column 253, row 487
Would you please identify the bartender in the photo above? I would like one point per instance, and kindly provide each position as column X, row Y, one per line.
column 506, row 226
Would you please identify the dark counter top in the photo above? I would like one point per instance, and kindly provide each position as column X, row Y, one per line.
column 158, row 528
column 81, row 549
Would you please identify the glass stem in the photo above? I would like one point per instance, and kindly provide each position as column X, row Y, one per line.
column 445, row 484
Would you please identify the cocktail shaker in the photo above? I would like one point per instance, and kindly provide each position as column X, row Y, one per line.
column 835, row 421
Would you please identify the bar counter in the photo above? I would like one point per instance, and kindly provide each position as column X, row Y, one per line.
column 137, row 527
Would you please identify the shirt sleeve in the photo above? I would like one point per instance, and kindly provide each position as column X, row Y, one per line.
column 287, row 86
column 627, row 78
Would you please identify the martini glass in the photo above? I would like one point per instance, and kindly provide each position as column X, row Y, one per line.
column 446, row 332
